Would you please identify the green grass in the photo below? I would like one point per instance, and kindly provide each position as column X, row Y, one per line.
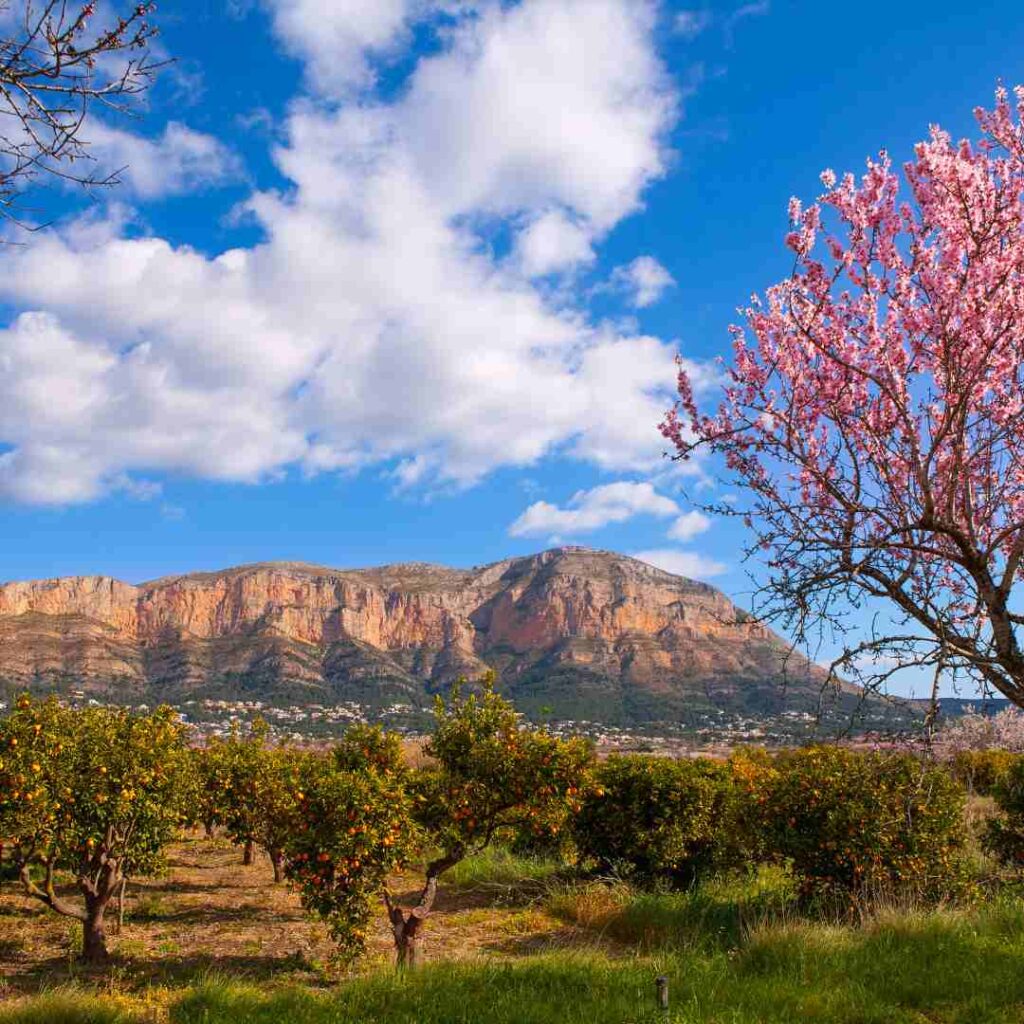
column 714, row 916
column 499, row 868
column 734, row 949
column 70, row 1007
column 948, row 967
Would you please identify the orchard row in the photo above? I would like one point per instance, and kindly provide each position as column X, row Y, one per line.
column 90, row 798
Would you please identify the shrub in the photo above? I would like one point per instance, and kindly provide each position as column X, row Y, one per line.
column 860, row 825
column 982, row 770
column 1004, row 835
column 658, row 817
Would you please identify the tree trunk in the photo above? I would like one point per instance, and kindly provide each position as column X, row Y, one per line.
column 277, row 859
column 94, row 937
column 120, row 904
column 405, row 928
column 208, row 826
column 247, row 853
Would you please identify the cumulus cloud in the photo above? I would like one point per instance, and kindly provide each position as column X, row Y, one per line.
column 689, row 525
column 338, row 40
column 552, row 243
column 682, row 563
column 179, row 160
column 644, row 281
column 591, row 510
column 542, row 103
column 371, row 325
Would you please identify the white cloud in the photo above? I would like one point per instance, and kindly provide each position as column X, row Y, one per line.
column 338, row 39
column 689, row 525
column 591, row 510
column 690, row 24
column 371, row 326
column 542, row 103
column 644, row 280
column 178, row 161
column 552, row 243
column 682, row 563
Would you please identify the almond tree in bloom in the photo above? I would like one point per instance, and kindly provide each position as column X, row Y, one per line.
column 874, row 411
column 975, row 731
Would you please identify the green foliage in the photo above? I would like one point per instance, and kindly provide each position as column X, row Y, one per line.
column 659, row 817
column 247, row 786
column 235, row 767
column 96, row 792
column 1004, row 835
column 368, row 746
column 353, row 827
column 858, row 826
column 492, row 773
column 981, row 771
column 80, row 786
column 209, row 773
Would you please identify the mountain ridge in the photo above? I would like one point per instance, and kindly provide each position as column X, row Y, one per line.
column 584, row 632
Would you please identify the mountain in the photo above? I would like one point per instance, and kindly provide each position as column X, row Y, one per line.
column 579, row 634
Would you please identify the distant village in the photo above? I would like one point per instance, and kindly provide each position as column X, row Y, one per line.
column 706, row 729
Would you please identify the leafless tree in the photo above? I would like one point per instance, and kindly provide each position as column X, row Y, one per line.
column 57, row 61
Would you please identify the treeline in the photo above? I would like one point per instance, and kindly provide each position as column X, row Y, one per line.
column 91, row 798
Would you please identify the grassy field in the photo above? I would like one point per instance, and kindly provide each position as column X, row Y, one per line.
column 513, row 943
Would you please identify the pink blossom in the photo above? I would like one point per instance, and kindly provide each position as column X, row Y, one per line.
column 874, row 408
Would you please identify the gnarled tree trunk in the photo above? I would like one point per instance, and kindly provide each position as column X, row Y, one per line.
column 94, row 935
column 97, row 881
column 247, row 853
column 406, row 926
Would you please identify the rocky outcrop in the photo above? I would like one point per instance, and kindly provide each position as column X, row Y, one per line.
column 586, row 633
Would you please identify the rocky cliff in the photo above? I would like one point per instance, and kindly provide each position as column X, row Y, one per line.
column 588, row 634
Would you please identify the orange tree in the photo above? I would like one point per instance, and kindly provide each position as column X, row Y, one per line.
column 981, row 771
column 857, row 825
column 96, row 793
column 352, row 826
column 274, row 789
column 491, row 775
column 1004, row 833
column 209, row 767
column 659, row 817
column 234, row 769
column 365, row 813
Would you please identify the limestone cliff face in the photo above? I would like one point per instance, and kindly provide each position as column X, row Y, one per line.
column 569, row 628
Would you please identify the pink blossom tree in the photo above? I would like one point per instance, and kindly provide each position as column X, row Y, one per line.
column 874, row 412
column 975, row 731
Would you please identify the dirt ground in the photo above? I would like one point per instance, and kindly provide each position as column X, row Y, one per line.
column 211, row 913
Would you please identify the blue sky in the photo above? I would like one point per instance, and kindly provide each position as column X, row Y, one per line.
column 404, row 280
